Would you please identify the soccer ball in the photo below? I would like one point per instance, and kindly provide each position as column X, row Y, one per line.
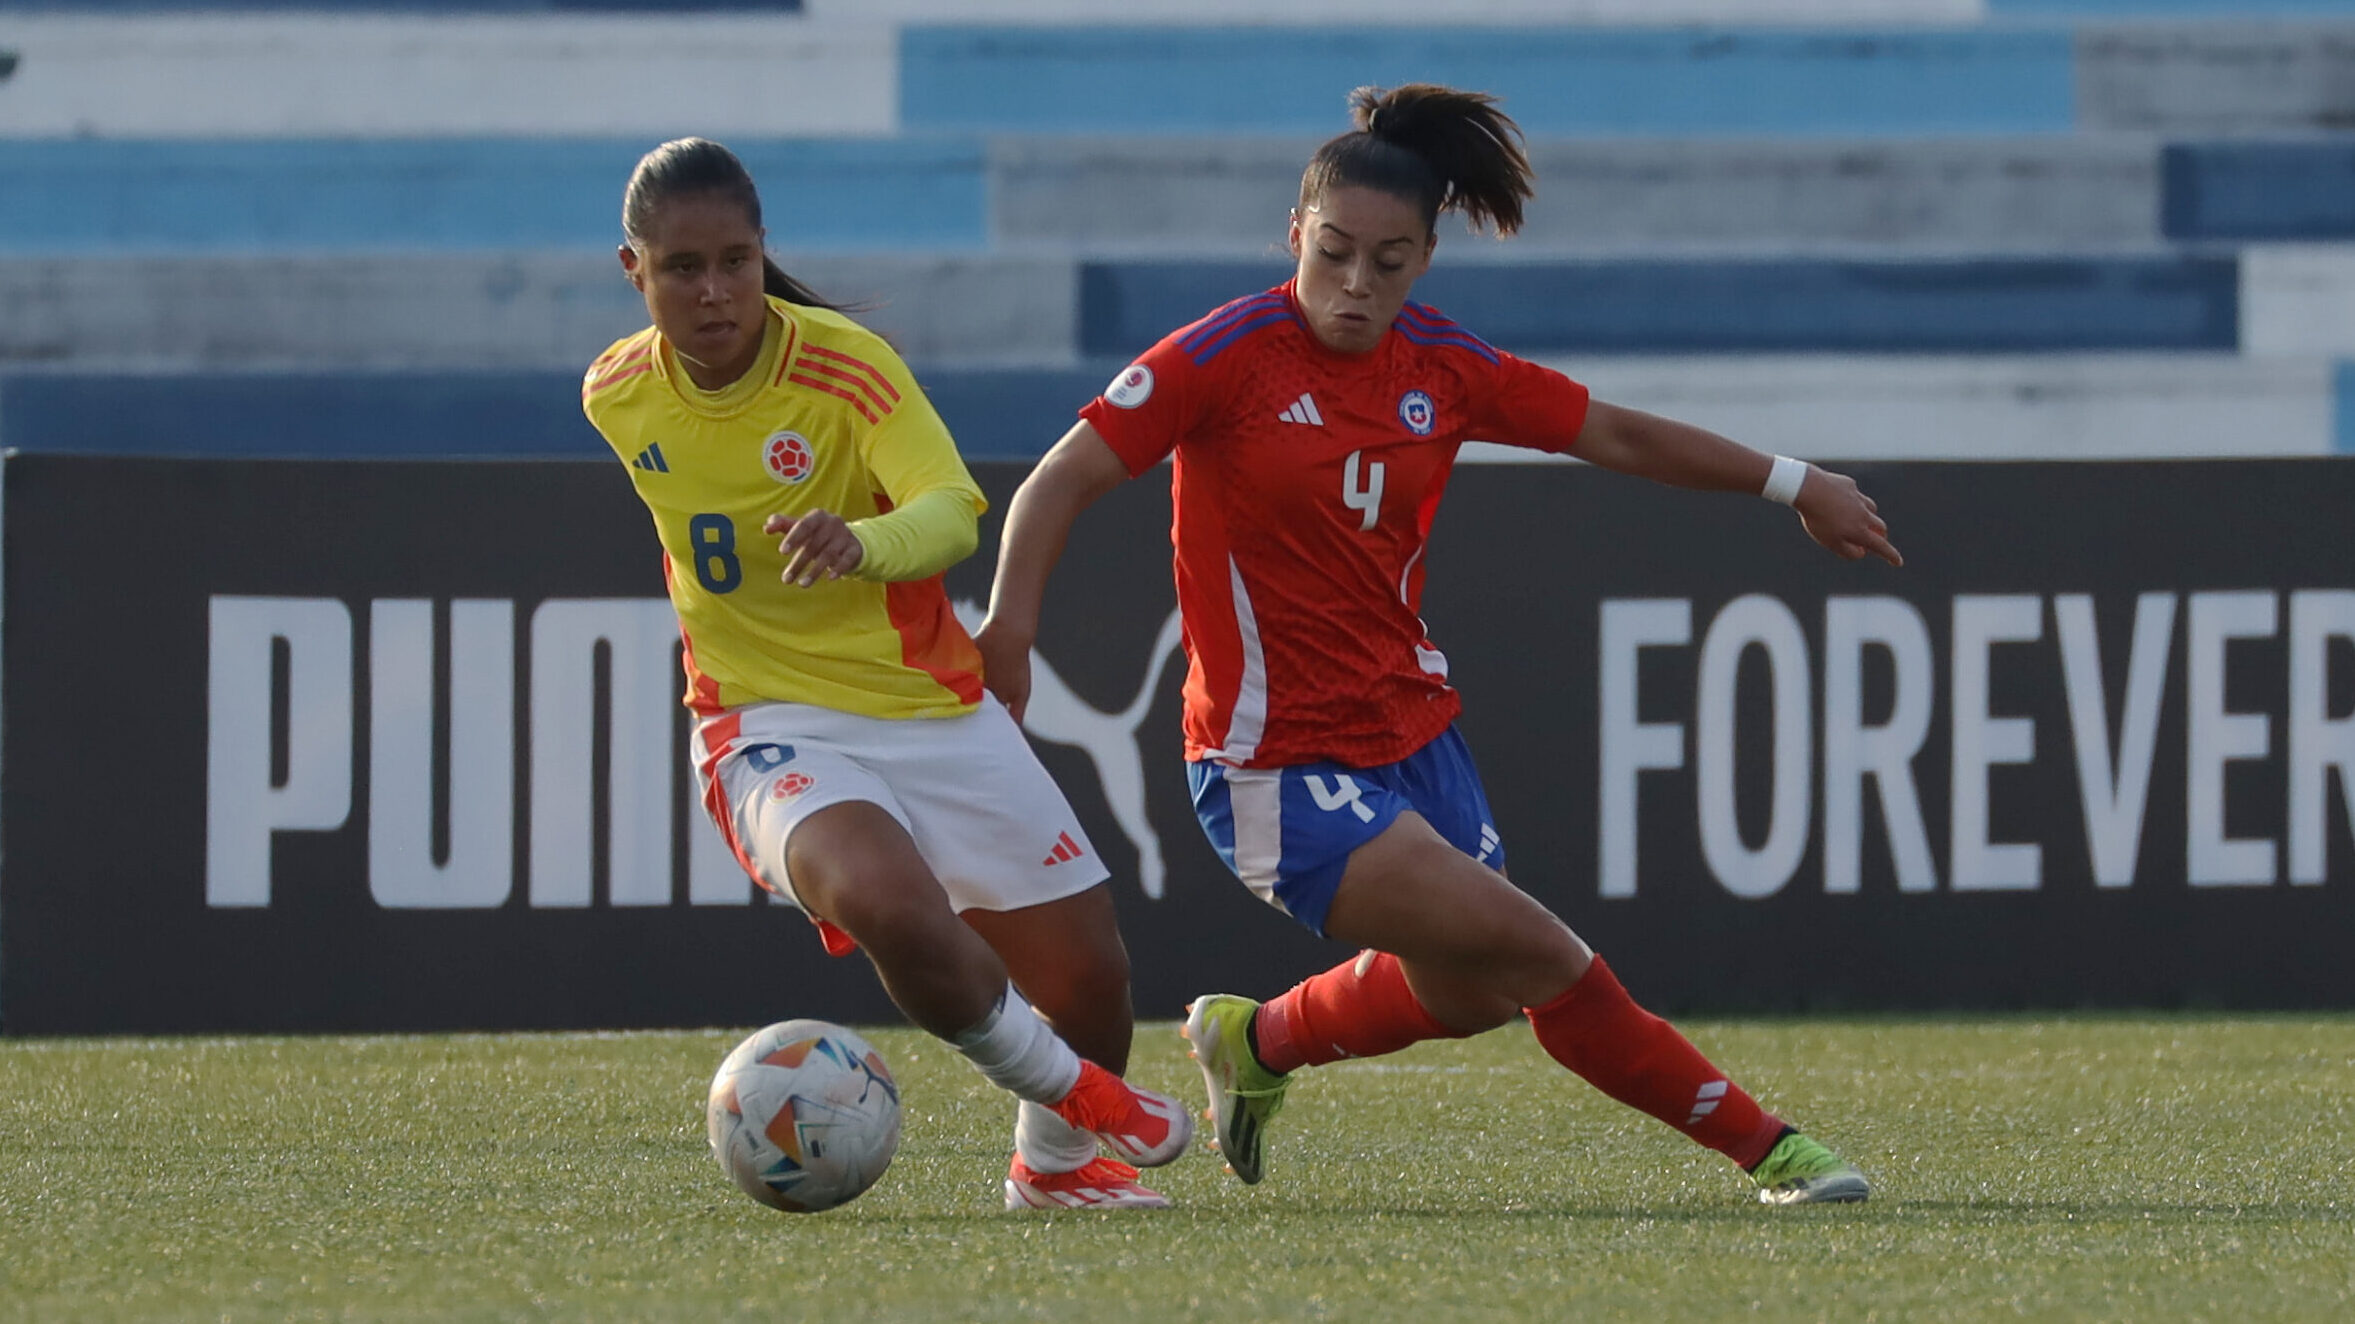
column 803, row 1116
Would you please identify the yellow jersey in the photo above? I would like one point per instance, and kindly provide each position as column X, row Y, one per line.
column 828, row 418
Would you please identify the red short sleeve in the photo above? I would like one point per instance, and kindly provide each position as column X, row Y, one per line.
column 1150, row 407
column 1531, row 406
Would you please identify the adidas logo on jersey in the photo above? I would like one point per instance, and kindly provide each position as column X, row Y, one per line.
column 1065, row 850
column 651, row 459
column 1303, row 410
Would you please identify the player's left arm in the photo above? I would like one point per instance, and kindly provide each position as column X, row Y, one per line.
column 1831, row 508
column 933, row 531
column 935, row 516
column 1520, row 403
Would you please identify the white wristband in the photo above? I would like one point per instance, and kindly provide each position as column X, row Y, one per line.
column 1782, row 485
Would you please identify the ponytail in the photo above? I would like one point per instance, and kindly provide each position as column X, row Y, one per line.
column 686, row 166
column 777, row 285
column 1442, row 149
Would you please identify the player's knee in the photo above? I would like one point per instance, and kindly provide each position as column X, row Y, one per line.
column 847, row 871
column 883, row 908
column 896, row 919
column 1468, row 1014
column 1535, row 963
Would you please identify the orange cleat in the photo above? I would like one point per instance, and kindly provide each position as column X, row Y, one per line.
column 1103, row 1184
column 1146, row 1128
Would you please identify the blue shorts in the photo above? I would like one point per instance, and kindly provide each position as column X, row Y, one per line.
column 1288, row 832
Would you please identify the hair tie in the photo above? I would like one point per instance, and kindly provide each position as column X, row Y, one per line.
column 1373, row 117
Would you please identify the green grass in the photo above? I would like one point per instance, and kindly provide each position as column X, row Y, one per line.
column 2072, row 1168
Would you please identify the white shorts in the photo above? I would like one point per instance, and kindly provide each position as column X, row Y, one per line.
column 985, row 815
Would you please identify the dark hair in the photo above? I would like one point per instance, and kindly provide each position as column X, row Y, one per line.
column 686, row 166
column 1442, row 149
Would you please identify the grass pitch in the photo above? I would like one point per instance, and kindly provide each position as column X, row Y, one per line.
column 2073, row 1168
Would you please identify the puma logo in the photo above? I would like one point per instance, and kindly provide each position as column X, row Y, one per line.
column 1060, row 717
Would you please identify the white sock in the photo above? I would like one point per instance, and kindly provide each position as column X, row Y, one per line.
column 1019, row 1053
column 1047, row 1143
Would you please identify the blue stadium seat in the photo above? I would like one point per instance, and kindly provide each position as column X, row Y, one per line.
column 101, row 196
column 1557, row 80
column 2258, row 190
column 1643, row 307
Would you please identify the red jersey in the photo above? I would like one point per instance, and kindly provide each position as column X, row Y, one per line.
column 1304, row 486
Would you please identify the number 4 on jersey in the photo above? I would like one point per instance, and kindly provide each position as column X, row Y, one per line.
column 1367, row 498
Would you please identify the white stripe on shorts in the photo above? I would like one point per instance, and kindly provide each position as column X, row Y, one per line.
column 1255, row 797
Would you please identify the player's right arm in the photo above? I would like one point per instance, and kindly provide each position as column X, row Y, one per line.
column 1074, row 475
column 1140, row 418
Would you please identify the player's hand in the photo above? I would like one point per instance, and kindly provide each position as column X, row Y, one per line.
column 1842, row 518
column 818, row 545
column 1005, row 664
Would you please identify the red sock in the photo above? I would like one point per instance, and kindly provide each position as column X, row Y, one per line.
column 1596, row 1030
column 1359, row 1008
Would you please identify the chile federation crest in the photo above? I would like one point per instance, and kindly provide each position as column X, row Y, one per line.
column 1417, row 412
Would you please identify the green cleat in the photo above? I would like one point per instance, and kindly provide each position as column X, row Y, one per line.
column 1800, row 1171
column 1244, row 1096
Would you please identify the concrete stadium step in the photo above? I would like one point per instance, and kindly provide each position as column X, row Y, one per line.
column 477, row 311
column 376, row 74
column 2000, row 407
column 2298, row 299
column 2234, row 77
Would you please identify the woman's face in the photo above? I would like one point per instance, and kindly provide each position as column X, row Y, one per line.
column 699, row 266
column 1360, row 251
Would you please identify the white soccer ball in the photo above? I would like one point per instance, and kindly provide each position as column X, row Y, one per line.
column 803, row 1116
